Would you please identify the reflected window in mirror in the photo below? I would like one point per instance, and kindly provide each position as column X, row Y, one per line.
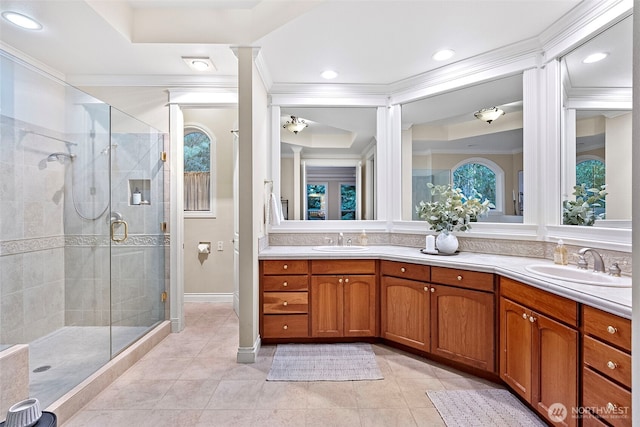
column 597, row 123
column 198, row 161
column 336, row 149
column 443, row 142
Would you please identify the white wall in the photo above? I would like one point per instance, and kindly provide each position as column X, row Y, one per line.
column 213, row 273
column 619, row 162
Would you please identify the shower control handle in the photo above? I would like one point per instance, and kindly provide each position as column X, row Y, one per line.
column 113, row 230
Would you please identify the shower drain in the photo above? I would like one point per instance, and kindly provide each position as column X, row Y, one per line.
column 42, row 368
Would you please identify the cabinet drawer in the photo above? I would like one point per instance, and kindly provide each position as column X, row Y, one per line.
column 462, row 278
column 285, row 267
column 347, row 266
column 589, row 420
column 555, row 306
column 285, row 326
column 285, row 283
column 405, row 270
column 612, row 402
column 285, row 302
column 609, row 327
column 608, row 360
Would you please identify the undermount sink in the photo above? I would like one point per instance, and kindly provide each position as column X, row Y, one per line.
column 572, row 274
column 340, row 249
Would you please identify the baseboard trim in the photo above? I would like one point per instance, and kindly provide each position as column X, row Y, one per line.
column 249, row 354
column 208, row 297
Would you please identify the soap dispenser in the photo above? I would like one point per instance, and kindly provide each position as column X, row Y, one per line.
column 363, row 238
column 560, row 255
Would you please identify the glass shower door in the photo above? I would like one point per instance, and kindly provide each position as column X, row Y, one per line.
column 137, row 239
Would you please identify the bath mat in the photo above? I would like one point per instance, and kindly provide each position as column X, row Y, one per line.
column 324, row 362
column 491, row 407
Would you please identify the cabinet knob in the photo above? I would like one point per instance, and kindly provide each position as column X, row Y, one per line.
column 611, row 364
column 285, row 303
column 285, row 266
column 612, row 330
column 433, row 289
column 612, row 406
column 346, row 280
column 426, row 288
column 403, row 269
column 459, row 277
column 532, row 319
column 340, row 280
column 285, row 327
column 524, row 316
column 285, row 284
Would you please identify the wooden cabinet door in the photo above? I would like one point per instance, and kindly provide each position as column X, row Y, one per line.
column 327, row 302
column 360, row 305
column 462, row 326
column 555, row 367
column 404, row 309
column 516, row 347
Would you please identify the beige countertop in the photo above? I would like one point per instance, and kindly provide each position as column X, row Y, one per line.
column 615, row 300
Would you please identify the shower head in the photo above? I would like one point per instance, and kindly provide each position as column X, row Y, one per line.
column 60, row 157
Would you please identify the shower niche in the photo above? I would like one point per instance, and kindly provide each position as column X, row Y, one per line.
column 139, row 192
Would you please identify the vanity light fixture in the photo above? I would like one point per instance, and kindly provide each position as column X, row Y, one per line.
column 329, row 74
column 199, row 63
column 488, row 114
column 595, row 57
column 443, row 55
column 295, row 125
column 22, row 21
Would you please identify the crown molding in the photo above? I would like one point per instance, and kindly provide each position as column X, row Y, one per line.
column 28, row 61
column 202, row 81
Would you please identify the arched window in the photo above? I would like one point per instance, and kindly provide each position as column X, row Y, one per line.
column 198, row 172
column 480, row 176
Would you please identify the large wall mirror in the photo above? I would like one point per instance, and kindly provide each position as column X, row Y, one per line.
column 327, row 163
column 443, row 142
column 597, row 125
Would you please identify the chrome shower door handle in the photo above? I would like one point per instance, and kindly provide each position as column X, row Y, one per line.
column 113, row 230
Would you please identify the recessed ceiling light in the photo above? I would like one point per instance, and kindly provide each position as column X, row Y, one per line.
column 329, row 74
column 595, row 57
column 22, row 21
column 199, row 63
column 443, row 54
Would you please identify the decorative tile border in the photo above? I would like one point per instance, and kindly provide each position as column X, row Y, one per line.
column 21, row 246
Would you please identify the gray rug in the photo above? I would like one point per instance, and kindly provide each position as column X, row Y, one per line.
column 324, row 362
column 491, row 407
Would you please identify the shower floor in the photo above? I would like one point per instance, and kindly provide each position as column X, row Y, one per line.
column 66, row 357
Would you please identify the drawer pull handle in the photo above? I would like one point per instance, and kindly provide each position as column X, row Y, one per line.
column 285, row 327
column 426, row 288
column 612, row 406
column 285, row 303
column 403, row 269
column 532, row 319
column 285, row 266
column 285, row 284
column 611, row 364
column 611, row 329
column 459, row 277
column 524, row 316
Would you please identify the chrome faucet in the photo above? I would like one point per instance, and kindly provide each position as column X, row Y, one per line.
column 598, row 264
column 340, row 239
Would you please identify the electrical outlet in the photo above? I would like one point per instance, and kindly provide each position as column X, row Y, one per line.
column 220, row 245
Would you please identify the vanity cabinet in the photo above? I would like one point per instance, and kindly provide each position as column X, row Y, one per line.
column 455, row 322
column 343, row 298
column 606, row 370
column 405, row 304
column 539, row 347
column 284, row 299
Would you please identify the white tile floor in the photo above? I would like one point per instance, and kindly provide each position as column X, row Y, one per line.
column 192, row 379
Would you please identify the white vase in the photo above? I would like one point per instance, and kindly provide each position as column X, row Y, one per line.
column 447, row 243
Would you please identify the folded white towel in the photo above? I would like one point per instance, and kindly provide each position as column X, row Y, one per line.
column 275, row 210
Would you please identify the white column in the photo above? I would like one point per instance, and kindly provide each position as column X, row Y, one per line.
column 296, row 181
column 176, row 225
column 407, row 174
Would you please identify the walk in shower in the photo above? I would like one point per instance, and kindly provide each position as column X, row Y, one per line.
column 82, row 245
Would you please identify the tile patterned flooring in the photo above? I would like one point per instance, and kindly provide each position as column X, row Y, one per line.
column 192, row 379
